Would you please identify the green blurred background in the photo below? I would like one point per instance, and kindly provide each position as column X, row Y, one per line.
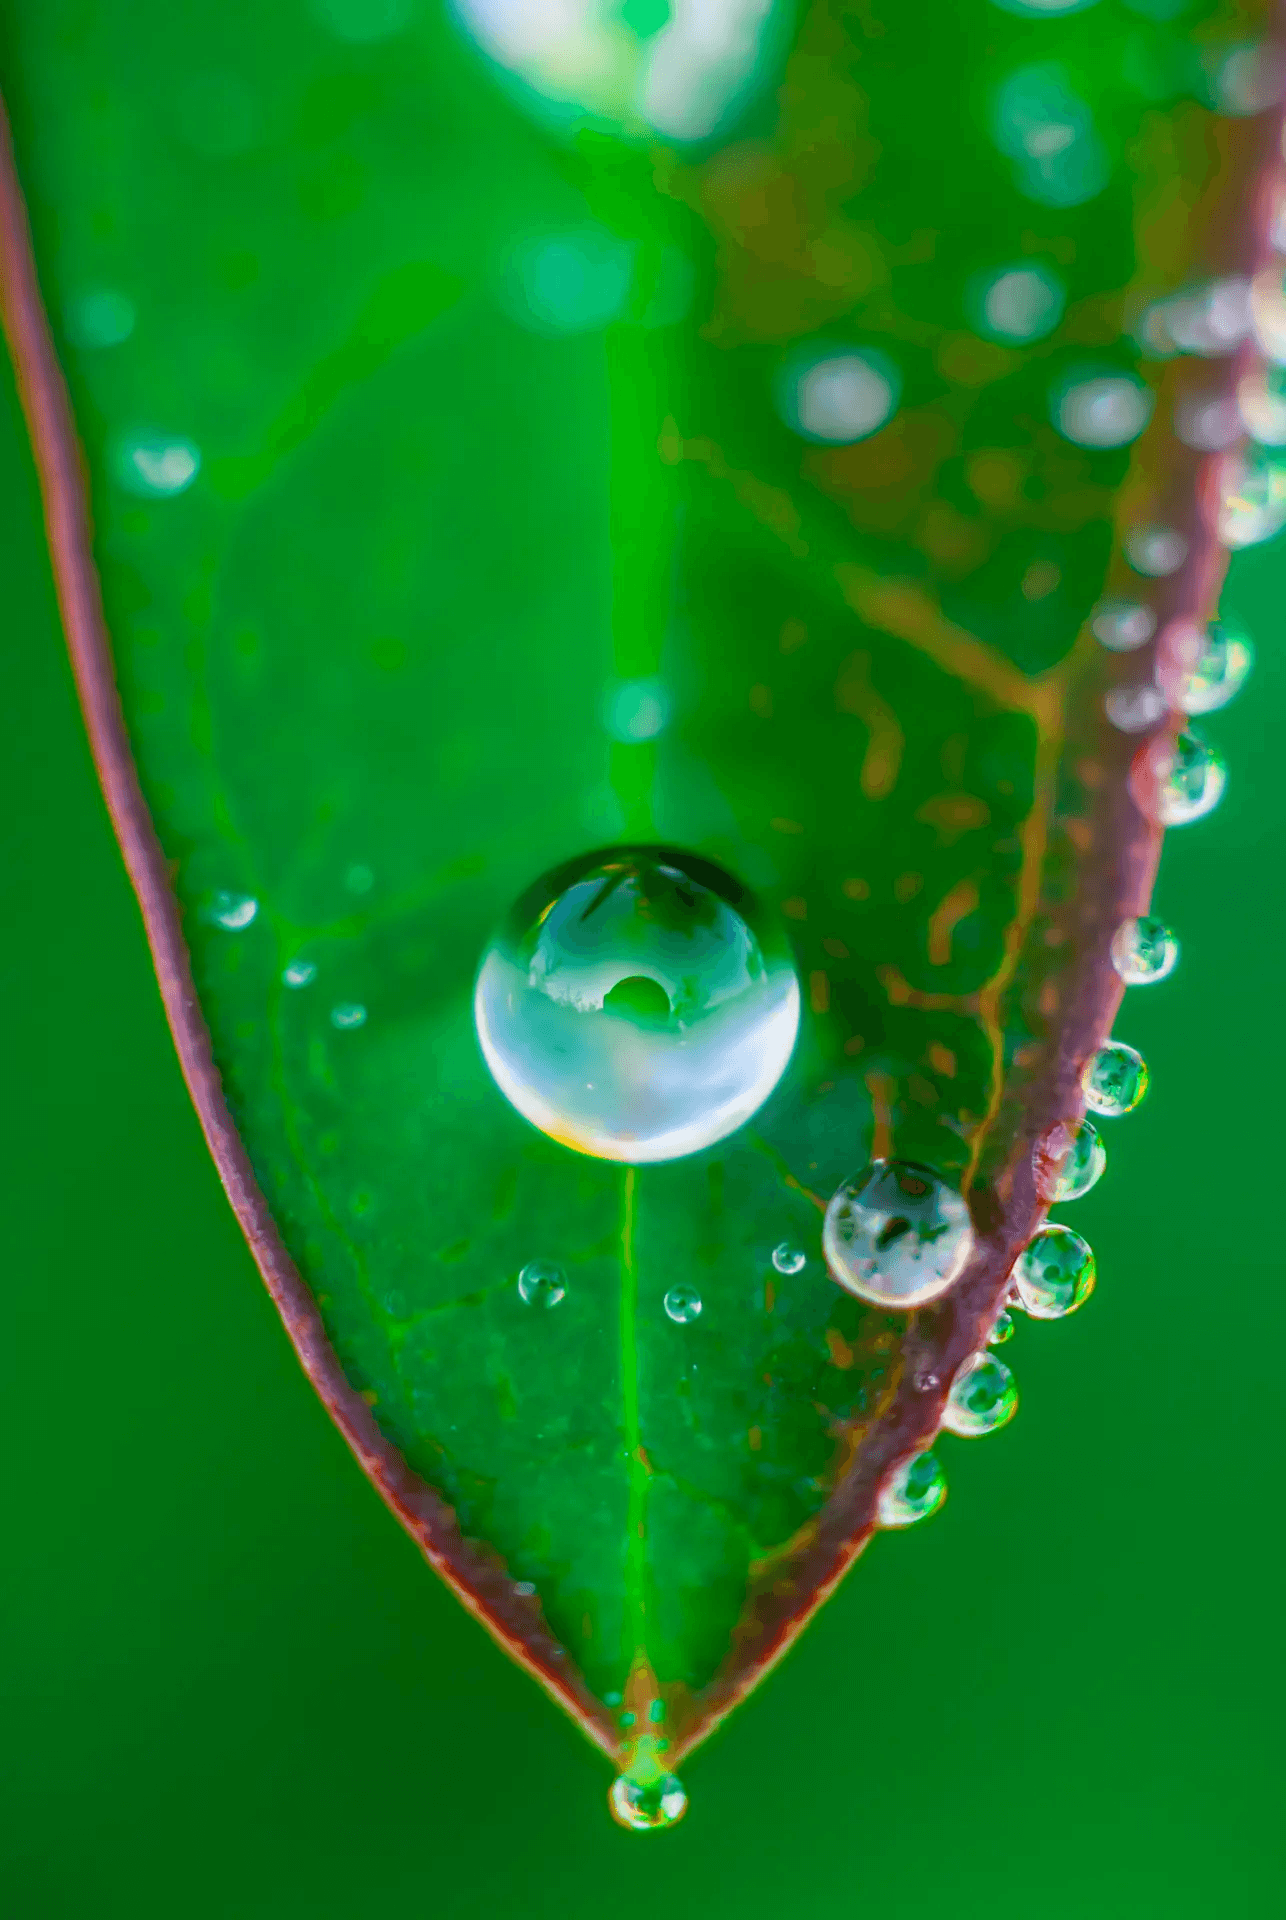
column 232, row 1688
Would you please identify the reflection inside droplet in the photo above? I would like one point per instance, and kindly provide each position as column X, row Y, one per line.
column 983, row 1397
column 1115, row 1080
column 897, row 1235
column 646, row 1804
column 912, row 1492
column 1175, row 781
column 1054, row 1274
column 1144, row 950
column 638, row 1004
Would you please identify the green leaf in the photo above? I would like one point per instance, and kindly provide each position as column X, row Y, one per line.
column 460, row 507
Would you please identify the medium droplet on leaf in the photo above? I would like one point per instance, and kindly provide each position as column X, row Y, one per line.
column 1144, row 950
column 232, row 911
column 646, row 1805
column 897, row 1235
column 915, row 1490
column 1106, row 410
column 1175, row 781
column 637, row 1005
column 983, row 1397
column 1123, row 625
column 1155, row 551
column 1201, row 668
column 1054, row 1274
column 787, row 1258
column 349, row 1014
column 299, row 973
column 682, row 1305
column 541, row 1284
column 1084, row 1164
column 1115, row 1080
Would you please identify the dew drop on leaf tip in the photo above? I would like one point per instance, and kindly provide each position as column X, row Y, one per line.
column 897, row 1235
column 912, row 1492
column 638, row 1004
column 541, row 1284
column 646, row 1805
column 1115, row 1080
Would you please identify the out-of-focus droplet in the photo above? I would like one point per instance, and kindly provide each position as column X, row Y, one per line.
column 299, row 973
column 983, row 1397
column 1211, row 320
column 1103, row 410
column 1261, row 400
column 840, row 397
column 1122, row 626
column 348, row 1014
column 1021, row 304
column 897, row 1235
column 912, row 1492
column 361, row 22
column 1048, row 132
column 155, row 466
column 1175, row 781
column 568, row 283
column 1155, row 551
column 541, row 1284
column 1084, row 1163
column 644, row 1805
column 1252, row 506
column 1002, row 1331
column 1207, row 422
column 1115, row 1080
column 359, row 878
column 1268, row 312
column 1200, row 669
column 101, row 317
column 637, row 1004
column 788, row 1258
column 1144, row 950
column 636, row 710
column 1134, row 709
column 1248, row 79
column 1054, row 1274
column 231, row 911
column 682, row 1304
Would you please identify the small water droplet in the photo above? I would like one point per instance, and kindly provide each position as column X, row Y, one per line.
column 1155, row 551
column 1106, row 410
column 1200, row 668
column 897, row 1235
column 1175, row 781
column 1054, row 1274
column 1084, row 1164
column 913, row 1492
column 1002, row 1331
column 99, row 318
column 636, row 709
column 637, row 1005
column 648, row 1804
column 1115, row 1080
column 232, row 911
column 155, row 466
column 299, row 973
column 839, row 398
column 1123, row 625
column 541, row 1284
column 349, row 1013
column 983, row 1397
column 1144, row 950
column 683, row 1305
column 787, row 1258
column 527, row 1589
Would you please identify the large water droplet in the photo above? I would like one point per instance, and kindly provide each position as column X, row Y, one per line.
column 913, row 1492
column 1084, row 1164
column 1115, row 1080
column 682, row 1305
column 541, row 1284
column 983, row 1397
column 1175, row 781
column 1054, row 1274
column 1123, row 625
column 1201, row 668
column 637, row 1004
column 1144, row 950
column 787, row 1258
column 897, row 1235
column 647, row 1804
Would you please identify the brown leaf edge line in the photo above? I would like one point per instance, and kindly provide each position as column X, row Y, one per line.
column 943, row 1338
